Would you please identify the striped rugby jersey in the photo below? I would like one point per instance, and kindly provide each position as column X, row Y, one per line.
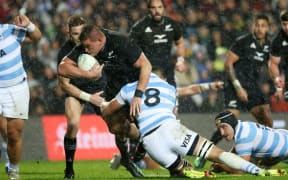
column 259, row 141
column 157, row 106
column 11, row 66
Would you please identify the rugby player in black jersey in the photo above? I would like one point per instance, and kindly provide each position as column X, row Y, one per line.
column 247, row 55
column 279, row 53
column 74, row 101
column 155, row 34
column 124, row 62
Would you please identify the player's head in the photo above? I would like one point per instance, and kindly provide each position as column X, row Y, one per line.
column 92, row 39
column 284, row 20
column 156, row 9
column 75, row 25
column 226, row 122
column 119, row 121
column 261, row 26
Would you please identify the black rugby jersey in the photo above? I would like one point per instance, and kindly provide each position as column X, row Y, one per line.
column 118, row 55
column 279, row 48
column 64, row 50
column 156, row 40
column 252, row 57
column 72, row 51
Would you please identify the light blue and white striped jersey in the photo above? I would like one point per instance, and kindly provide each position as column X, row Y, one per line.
column 157, row 106
column 259, row 141
column 11, row 66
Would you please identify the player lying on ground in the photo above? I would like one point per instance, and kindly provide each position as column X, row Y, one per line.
column 253, row 141
column 165, row 139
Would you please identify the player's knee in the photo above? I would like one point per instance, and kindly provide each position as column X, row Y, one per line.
column 176, row 169
column 14, row 135
column 204, row 149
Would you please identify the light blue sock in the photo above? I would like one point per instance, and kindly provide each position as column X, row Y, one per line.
column 5, row 153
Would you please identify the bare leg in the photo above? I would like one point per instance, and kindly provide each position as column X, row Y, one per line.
column 262, row 114
column 14, row 146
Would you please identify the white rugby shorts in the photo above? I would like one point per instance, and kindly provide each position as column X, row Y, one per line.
column 14, row 101
column 168, row 141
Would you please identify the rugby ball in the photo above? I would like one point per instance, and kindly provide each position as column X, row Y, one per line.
column 86, row 62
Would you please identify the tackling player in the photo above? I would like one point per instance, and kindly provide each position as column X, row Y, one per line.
column 157, row 120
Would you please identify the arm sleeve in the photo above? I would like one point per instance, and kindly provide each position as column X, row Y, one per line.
column 130, row 50
column 121, row 97
column 135, row 34
column 236, row 47
column 18, row 32
column 178, row 31
column 74, row 53
column 275, row 47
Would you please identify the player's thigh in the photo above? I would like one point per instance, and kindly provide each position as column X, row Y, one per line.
column 15, row 101
column 173, row 138
column 73, row 109
column 158, row 149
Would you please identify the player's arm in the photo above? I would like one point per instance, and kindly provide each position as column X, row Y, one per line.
column 199, row 88
column 145, row 69
column 68, row 68
column 180, row 52
column 273, row 63
column 74, row 91
column 108, row 108
column 232, row 58
column 33, row 31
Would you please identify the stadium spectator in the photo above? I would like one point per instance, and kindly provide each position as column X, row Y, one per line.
column 14, row 87
column 252, row 141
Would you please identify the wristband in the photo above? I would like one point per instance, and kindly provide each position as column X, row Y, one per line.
column 31, row 27
column 204, row 86
column 85, row 96
column 236, row 84
column 180, row 59
column 138, row 93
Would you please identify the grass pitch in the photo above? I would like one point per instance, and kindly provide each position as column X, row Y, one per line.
column 100, row 170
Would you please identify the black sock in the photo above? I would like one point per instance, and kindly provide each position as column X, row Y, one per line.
column 140, row 152
column 216, row 137
column 122, row 145
column 70, row 148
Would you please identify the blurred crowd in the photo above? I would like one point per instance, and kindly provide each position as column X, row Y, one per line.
column 209, row 28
